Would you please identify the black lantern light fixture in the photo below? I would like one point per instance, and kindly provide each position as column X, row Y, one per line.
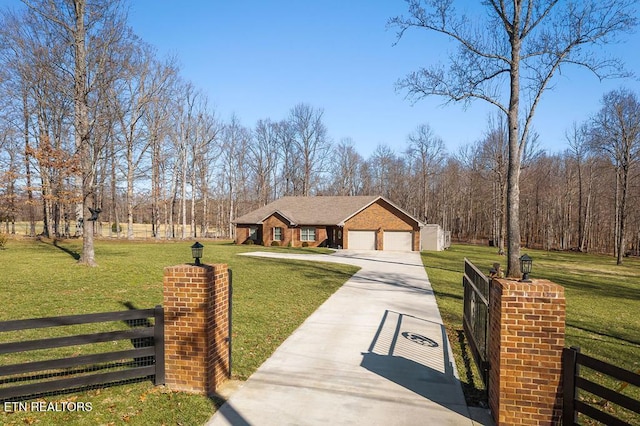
column 196, row 252
column 526, row 264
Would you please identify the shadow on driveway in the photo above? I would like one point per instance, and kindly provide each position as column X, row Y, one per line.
column 414, row 353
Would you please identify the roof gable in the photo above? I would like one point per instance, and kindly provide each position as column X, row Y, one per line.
column 284, row 217
column 330, row 210
column 390, row 204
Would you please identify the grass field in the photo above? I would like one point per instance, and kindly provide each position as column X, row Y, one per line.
column 603, row 304
column 271, row 298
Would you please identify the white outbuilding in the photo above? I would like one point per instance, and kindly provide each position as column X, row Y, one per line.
column 434, row 238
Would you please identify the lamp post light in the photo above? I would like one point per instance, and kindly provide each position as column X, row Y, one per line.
column 526, row 264
column 196, row 252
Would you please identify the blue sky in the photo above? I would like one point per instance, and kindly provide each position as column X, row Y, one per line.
column 258, row 59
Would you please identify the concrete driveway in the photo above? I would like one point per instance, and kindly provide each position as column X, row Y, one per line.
column 375, row 353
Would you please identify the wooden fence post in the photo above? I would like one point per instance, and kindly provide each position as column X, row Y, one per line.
column 158, row 337
column 569, row 359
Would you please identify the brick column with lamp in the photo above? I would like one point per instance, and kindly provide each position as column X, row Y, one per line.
column 197, row 341
column 526, row 338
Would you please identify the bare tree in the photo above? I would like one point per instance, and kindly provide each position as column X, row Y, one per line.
column 578, row 140
column 290, row 161
column 381, row 169
column 30, row 56
column 182, row 138
column 91, row 30
column 263, row 159
column 174, row 162
column 520, row 45
column 346, row 169
column 427, row 153
column 311, row 142
column 616, row 134
column 204, row 150
column 9, row 173
column 157, row 119
column 492, row 156
column 130, row 99
column 474, row 217
column 388, row 175
column 234, row 142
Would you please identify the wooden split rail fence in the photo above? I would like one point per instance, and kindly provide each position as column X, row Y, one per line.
column 140, row 354
column 575, row 382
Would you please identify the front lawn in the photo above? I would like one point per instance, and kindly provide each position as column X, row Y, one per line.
column 603, row 302
column 41, row 278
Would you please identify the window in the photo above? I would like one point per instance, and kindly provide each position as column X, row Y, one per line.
column 308, row 234
column 277, row 234
column 253, row 233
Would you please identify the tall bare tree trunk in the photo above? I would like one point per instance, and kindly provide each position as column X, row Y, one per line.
column 513, row 171
column 623, row 212
column 155, row 185
column 114, row 217
column 205, row 214
column 193, row 203
column 81, row 125
column 231, row 215
column 587, row 214
column 616, row 237
column 130, row 194
column 183, row 195
column 27, row 166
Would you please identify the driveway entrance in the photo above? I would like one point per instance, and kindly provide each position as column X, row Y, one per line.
column 375, row 353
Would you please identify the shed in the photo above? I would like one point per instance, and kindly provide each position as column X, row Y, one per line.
column 434, row 238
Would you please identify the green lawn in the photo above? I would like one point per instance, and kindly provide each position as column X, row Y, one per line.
column 271, row 298
column 603, row 303
column 40, row 278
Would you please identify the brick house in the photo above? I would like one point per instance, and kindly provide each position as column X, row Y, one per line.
column 361, row 222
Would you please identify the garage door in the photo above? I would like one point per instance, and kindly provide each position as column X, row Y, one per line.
column 398, row 240
column 362, row 240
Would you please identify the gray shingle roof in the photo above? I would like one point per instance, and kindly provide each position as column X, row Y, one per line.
column 311, row 210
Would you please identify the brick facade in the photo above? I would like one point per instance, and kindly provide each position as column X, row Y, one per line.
column 526, row 337
column 381, row 216
column 275, row 221
column 242, row 233
column 196, row 310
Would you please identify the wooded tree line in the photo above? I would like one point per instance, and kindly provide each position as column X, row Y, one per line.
column 100, row 122
column 507, row 55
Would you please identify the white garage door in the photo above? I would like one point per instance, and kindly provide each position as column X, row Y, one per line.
column 397, row 240
column 362, row 240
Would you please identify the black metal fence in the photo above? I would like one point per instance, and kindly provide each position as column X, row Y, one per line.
column 593, row 407
column 61, row 361
column 476, row 316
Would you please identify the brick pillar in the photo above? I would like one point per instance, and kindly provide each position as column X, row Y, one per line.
column 526, row 337
column 196, row 328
